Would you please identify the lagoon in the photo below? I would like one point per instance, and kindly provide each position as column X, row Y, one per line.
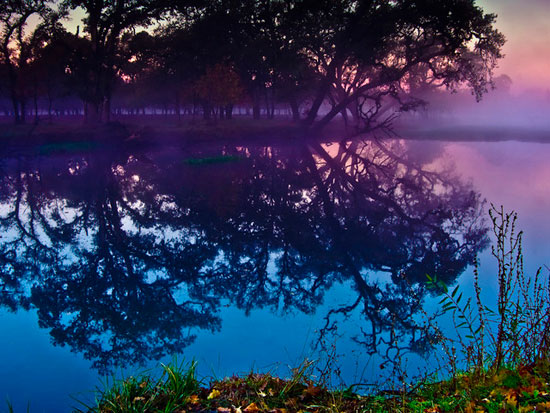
column 243, row 256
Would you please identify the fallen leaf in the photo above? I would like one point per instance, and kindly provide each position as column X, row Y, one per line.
column 470, row 408
column 543, row 407
column 312, row 391
column 511, row 400
column 252, row 408
column 224, row 410
column 213, row 394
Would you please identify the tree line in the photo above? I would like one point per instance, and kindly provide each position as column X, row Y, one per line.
column 362, row 60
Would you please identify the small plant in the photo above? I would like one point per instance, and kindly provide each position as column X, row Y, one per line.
column 174, row 389
column 517, row 332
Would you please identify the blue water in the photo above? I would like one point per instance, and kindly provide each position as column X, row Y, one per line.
column 114, row 260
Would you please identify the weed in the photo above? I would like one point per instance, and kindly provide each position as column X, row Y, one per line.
column 517, row 331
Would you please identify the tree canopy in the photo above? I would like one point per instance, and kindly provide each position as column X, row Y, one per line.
column 358, row 59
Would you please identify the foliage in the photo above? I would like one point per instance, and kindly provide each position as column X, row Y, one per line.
column 18, row 45
column 523, row 389
column 364, row 60
column 219, row 86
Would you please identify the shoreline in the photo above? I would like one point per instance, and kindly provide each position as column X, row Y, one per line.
column 246, row 131
column 523, row 388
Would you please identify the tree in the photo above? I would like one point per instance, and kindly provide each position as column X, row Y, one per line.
column 105, row 22
column 362, row 50
column 16, row 44
column 220, row 87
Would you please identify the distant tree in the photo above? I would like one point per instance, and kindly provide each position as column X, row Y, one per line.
column 47, row 70
column 503, row 84
column 219, row 89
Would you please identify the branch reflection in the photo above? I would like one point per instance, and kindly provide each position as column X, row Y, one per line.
column 126, row 256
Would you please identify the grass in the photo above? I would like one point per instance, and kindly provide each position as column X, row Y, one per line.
column 522, row 389
column 153, row 129
column 178, row 390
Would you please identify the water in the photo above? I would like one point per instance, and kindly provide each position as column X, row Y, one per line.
column 242, row 257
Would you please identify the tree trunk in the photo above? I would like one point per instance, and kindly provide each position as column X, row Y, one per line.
column 295, row 108
column 23, row 106
column 206, row 111
column 36, row 117
column 107, row 109
column 15, row 104
column 256, row 104
column 50, row 104
column 93, row 113
column 178, row 108
column 321, row 94
column 229, row 111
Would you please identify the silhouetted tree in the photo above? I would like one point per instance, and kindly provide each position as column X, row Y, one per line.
column 105, row 23
column 17, row 44
column 362, row 49
column 219, row 89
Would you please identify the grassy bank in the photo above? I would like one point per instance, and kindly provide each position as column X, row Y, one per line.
column 523, row 389
column 153, row 130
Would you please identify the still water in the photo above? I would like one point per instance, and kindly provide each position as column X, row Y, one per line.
column 243, row 257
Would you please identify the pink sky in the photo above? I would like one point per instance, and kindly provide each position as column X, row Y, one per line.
column 526, row 25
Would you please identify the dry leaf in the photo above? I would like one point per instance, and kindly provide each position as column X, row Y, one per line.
column 312, row 391
column 213, row 394
column 511, row 400
column 252, row 408
column 543, row 407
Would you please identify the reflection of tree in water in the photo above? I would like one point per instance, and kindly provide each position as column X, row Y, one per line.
column 126, row 257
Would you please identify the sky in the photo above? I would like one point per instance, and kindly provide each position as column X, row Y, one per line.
column 526, row 25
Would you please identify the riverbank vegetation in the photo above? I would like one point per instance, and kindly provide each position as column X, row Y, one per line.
column 524, row 388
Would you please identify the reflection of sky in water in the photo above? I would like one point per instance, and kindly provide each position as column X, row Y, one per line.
column 517, row 176
column 513, row 174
